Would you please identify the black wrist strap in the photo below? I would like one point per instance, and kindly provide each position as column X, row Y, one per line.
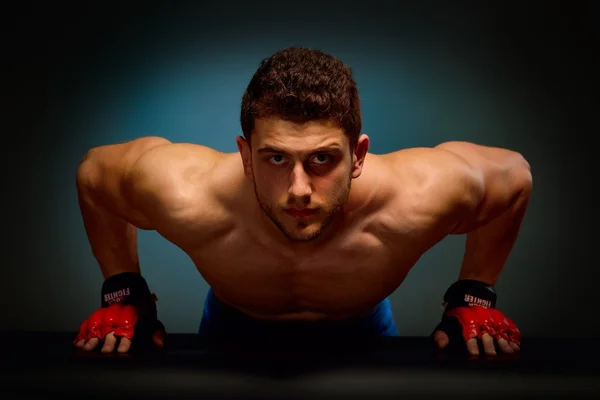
column 129, row 288
column 469, row 292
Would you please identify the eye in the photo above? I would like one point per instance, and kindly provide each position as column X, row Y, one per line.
column 321, row 159
column 277, row 159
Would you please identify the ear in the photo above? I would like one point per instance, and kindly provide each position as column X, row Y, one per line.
column 358, row 157
column 246, row 154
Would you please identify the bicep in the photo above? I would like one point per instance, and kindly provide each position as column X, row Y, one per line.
column 154, row 193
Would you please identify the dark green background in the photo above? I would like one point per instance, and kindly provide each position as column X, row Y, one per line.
column 508, row 74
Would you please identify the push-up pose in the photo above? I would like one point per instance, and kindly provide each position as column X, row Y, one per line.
column 303, row 233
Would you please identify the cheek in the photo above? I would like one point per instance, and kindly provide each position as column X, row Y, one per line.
column 269, row 182
column 340, row 177
column 329, row 187
column 338, row 186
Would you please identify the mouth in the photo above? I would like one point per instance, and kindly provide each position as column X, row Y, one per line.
column 303, row 213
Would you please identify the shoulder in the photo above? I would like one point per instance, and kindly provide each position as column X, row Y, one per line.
column 176, row 169
column 434, row 159
column 440, row 181
column 177, row 155
column 181, row 187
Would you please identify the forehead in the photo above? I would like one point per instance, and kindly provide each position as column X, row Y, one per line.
column 294, row 136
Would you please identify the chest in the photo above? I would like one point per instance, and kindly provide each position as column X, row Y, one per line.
column 356, row 267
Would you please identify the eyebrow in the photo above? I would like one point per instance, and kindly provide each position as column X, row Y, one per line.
column 269, row 149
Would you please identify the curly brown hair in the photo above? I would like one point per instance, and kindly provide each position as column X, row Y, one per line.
column 301, row 84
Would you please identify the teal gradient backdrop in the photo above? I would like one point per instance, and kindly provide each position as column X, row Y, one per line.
column 111, row 75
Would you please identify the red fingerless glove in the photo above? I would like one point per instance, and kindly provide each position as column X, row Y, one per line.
column 504, row 326
column 470, row 312
column 115, row 318
column 127, row 307
column 477, row 320
column 91, row 327
column 120, row 320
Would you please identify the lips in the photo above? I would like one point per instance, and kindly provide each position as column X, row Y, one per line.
column 300, row 213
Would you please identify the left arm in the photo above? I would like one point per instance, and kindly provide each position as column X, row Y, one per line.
column 493, row 224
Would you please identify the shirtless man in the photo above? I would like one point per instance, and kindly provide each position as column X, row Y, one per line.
column 303, row 231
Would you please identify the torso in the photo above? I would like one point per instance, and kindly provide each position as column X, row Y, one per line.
column 375, row 245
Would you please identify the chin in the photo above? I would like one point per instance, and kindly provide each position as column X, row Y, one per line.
column 303, row 236
column 301, row 232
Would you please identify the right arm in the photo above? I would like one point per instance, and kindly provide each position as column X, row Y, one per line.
column 148, row 183
column 110, row 219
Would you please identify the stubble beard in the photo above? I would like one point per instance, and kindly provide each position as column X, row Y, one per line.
column 338, row 204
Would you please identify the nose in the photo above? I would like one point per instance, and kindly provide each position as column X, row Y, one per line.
column 300, row 186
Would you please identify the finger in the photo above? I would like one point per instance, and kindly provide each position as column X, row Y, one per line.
column 515, row 346
column 473, row 347
column 441, row 339
column 124, row 345
column 80, row 344
column 505, row 346
column 91, row 344
column 159, row 338
column 109, row 343
column 488, row 344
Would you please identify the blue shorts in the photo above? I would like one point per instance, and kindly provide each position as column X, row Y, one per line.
column 220, row 320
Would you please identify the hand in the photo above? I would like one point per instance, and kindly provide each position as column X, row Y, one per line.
column 476, row 324
column 109, row 324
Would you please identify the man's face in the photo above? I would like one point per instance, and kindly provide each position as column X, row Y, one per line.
column 302, row 174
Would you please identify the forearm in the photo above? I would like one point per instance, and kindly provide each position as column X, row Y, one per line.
column 489, row 246
column 112, row 238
